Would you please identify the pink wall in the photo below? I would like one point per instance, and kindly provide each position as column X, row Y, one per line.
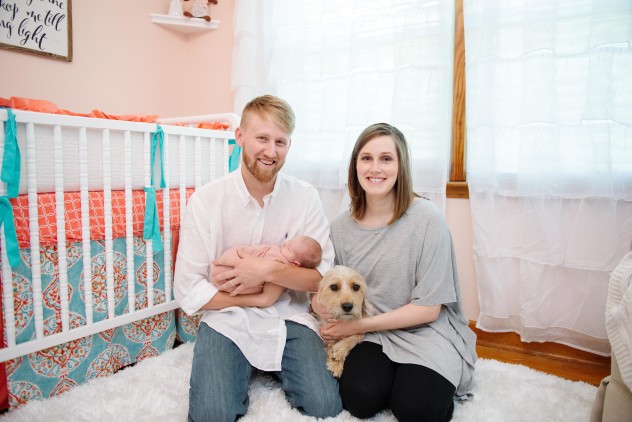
column 459, row 218
column 123, row 63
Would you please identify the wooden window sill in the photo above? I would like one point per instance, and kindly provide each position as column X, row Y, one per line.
column 457, row 190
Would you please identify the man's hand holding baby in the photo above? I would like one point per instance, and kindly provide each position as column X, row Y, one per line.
column 245, row 277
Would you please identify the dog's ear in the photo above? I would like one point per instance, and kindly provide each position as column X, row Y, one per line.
column 368, row 309
column 324, row 282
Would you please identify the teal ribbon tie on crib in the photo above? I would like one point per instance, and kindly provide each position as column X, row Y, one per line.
column 11, row 162
column 233, row 159
column 157, row 139
column 151, row 229
column 10, row 237
column 11, row 159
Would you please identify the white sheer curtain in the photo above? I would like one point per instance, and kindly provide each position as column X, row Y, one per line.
column 549, row 103
column 343, row 65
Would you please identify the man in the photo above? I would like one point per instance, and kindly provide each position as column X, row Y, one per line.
column 272, row 330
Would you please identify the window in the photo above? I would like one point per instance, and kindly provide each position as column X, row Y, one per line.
column 343, row 65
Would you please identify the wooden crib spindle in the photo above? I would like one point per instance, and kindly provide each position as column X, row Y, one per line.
column 85, row 224
column 149, row 244
column 183, row 175
column 198, row 163
column 166, row 223
column 212, row 156
column 226, row 155
column 129, row 227
column 60, row 214
column 107, row 217
column 36, row 269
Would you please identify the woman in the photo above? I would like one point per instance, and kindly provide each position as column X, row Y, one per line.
column 419, row 353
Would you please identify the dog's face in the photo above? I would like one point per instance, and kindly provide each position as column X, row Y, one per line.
column 342, row 292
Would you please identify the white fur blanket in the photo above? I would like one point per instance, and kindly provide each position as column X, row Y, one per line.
column 156, row 389
column 619, row 316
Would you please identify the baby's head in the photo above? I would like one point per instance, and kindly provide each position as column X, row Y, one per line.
column 303, row 251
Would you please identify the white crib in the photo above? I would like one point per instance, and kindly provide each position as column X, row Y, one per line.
column 104, row 161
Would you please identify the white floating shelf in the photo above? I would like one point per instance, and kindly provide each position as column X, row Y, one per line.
column 184, row 24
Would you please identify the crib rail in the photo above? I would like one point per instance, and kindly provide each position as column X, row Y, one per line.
column 63, row 154
column 229, row 118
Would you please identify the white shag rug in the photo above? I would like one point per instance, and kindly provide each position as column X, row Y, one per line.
column 156, row 389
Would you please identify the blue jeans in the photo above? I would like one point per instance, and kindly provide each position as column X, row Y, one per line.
column 221, row 374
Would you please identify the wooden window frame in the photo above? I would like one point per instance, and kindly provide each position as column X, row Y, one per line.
column 457, row 186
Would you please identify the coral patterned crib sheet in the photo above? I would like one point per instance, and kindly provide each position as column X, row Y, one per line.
column 57, row 369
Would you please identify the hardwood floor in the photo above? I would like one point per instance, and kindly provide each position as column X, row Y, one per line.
column 552, row 358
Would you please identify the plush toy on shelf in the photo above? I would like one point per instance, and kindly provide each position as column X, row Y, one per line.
column 198, row 9
column 175, row 8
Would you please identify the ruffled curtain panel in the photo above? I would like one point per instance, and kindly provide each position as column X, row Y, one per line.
column 549, row 132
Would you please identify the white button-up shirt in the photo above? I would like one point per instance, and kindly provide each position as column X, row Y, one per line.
column 222, row 214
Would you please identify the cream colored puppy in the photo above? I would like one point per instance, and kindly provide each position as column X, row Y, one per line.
column 342, row 293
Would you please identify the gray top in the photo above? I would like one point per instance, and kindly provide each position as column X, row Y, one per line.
column 413, row 261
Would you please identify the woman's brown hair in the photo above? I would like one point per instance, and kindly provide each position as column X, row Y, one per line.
column 403, row 187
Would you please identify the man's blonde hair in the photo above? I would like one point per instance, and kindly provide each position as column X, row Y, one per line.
column 270, row 106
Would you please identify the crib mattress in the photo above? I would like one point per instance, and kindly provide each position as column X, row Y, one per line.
column 113, row 154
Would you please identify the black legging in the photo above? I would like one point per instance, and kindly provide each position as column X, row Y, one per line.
column 371, row 382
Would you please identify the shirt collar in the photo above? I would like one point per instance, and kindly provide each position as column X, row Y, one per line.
column 243, row 193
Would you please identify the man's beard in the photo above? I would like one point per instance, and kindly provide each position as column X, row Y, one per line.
column 260, row 174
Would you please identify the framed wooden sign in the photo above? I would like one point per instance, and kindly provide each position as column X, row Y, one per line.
column 41, row 27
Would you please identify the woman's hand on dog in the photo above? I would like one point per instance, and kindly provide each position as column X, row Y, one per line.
column 336, row 329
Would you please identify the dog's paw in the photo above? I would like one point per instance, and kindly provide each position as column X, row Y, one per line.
column 330, row 353
column 335, row 367
column 339, row 353
column 341, row 349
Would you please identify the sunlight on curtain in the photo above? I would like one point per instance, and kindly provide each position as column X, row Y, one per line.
column 549, row 103
column 343, row 65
